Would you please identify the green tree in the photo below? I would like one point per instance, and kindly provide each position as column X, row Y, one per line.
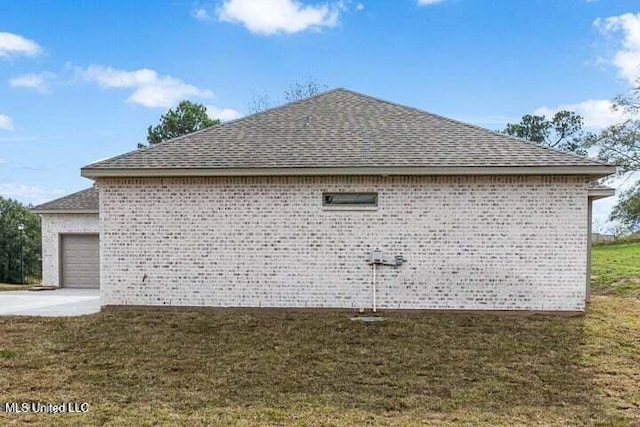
column 13, row 213
column 563, row 131
column 627, row 211
column 186, row 118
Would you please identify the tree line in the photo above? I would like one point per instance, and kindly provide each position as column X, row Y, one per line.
column 19, row 248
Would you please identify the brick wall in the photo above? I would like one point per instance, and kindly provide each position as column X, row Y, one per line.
column 500, row 243
column 52, row 226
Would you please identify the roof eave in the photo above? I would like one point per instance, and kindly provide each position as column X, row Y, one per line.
column 65, row 211
column 592, row 170
column 601, row 193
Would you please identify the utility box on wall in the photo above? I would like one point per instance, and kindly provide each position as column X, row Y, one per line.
column 376, row 256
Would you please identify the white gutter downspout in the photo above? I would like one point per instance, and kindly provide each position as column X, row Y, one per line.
column 373, row 266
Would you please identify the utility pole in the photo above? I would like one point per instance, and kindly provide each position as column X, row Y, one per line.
column 21, row 228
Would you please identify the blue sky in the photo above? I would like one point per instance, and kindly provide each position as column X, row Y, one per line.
column 81, row 81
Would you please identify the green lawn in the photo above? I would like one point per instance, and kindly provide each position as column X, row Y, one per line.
column 319, row 368
column 616, row 270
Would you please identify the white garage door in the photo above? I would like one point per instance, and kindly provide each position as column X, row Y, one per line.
column 80, row 262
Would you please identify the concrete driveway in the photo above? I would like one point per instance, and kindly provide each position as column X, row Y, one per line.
column 60, row 302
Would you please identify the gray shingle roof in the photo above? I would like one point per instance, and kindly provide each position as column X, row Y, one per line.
column 84, row 200
column 341, row 129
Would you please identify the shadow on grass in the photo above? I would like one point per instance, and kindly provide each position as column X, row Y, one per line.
column 412, row 361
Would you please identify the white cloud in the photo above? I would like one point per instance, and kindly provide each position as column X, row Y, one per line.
column 360, row 6
column 5, row 122
column 597, row 113
column 224, row 114
column 278, row 16
column 149, row 89
column 627, row 57
column 13, row 45
column 2, row 161
column 29, row 194
column 428, row 2
column 39, row 82
column 201, row 14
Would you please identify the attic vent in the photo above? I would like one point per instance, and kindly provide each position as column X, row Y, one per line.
column 350, row 199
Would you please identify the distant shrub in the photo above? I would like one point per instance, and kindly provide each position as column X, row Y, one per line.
column 619, row 240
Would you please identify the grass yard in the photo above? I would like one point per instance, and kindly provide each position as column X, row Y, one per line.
column 272, row 367
column 301, row 368
column 616, row 270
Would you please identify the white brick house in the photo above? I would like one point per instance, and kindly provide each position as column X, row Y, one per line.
column 283, row 209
